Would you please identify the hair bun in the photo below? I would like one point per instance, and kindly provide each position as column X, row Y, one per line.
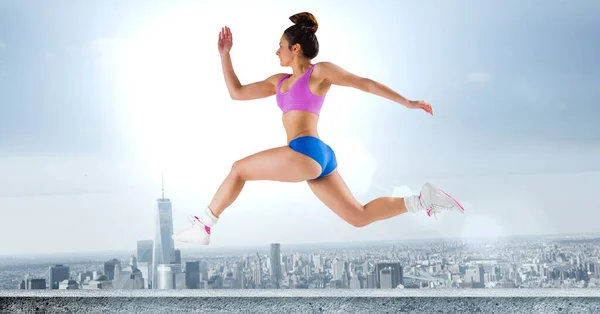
column 305, row 19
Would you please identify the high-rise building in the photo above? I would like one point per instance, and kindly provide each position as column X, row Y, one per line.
column 203, row 270
column 337, row 269
column 164, row 247
column 109, row 268
column 57, row 274
column 35, row 284
column 257, row 276
column 480, row 281
column 385, row 278
column 192, row 274
column 177, row 257
column 144, row 251
column 30, row 283
column 396, row 273
column 316, row 259
column 239, row 276
column 170, row 276
column 275, row 264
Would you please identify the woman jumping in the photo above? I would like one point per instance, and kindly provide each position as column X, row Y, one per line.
column 300, row 97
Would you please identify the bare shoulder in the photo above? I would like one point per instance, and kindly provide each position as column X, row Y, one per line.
column 274, row 79
column 320, row 71
column 324, row 69
column 323, row 66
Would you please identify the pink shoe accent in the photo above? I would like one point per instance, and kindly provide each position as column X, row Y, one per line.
column 428, row 209
column 462, row 209
column 206, row 228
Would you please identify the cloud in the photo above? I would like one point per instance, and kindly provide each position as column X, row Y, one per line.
column 479, row 77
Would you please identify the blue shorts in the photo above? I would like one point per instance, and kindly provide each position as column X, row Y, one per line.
column 315, row 148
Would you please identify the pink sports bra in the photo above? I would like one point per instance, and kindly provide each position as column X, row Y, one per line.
column 299, row 96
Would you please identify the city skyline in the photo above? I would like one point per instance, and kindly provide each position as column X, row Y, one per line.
column 94, row 112
column 553, row 262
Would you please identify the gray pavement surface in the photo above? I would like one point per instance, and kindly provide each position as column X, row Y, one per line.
column 530, row 301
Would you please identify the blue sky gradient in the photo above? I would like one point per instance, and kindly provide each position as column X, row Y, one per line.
column 515, row 86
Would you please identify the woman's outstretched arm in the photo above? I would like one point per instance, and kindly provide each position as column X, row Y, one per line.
column 256, row 90
column 336, row 75
column 237, row 91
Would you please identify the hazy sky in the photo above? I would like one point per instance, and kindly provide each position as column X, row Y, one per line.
column 98, row 97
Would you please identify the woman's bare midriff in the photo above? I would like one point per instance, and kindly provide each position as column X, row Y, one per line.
column 300, row 123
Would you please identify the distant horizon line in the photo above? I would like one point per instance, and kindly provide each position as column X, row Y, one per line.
column 304, row 244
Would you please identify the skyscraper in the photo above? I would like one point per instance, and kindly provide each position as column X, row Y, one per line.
column 177, row 259
column 58, row 273
column 192, row 274
column 276, row 264
column 170, row 276
column 163, row 251
column 144, row 251
column 109, row 268
column 396, row 272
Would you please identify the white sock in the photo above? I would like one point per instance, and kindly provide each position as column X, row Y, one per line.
column 413, row 204
column 207, row 217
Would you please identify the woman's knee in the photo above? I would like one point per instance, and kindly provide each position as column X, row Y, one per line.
column 358, row 218
column 236, row 169
column 239, row 169
column 360, row 223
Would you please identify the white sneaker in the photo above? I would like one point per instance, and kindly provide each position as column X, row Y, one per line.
column 435, row 200
column 197, row 232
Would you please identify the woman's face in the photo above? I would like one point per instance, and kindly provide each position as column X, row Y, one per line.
column 284, row 53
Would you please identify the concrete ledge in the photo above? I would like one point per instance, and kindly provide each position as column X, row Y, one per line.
column 516, row 301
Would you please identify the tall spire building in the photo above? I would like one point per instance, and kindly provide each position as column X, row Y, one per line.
column 163, row 251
